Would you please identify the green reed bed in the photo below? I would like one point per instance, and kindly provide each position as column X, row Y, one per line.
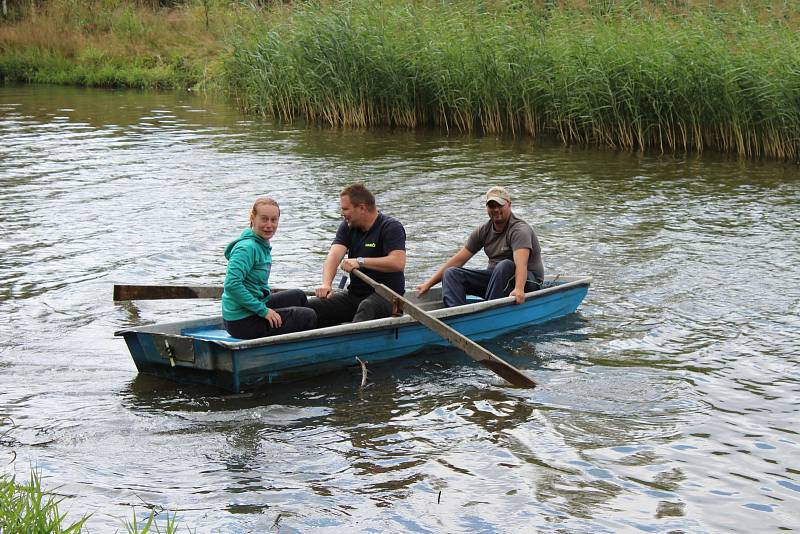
column 631, row 81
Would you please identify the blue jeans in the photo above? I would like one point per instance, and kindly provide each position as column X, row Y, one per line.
column 459, row 282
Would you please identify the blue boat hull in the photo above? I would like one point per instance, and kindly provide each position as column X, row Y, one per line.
column 201, row 352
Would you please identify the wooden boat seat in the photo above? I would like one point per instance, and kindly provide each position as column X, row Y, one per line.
column 209, row 333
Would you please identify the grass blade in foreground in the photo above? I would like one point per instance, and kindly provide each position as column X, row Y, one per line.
column 30, row 508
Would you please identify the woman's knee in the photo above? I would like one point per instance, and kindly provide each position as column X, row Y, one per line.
column 287, row 298
column 297, row 297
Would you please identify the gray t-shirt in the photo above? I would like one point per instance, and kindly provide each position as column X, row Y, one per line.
column 500, row 246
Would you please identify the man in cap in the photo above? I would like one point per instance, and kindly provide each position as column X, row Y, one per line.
column 515, row 258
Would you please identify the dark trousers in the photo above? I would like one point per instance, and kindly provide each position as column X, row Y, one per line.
column 459, row 282
column 343, row 307
column 290, row 304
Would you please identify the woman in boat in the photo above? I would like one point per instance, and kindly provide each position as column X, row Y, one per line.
column 249, row 309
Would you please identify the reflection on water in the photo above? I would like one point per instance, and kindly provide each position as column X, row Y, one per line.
column 666, row 404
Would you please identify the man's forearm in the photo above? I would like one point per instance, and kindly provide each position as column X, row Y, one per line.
column 520, row 276
column 520, row 269
column 385, row 264
column 457, row 260
column 329, row 270
column 438, row 275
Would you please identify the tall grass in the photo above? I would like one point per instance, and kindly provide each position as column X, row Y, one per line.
column 668, row 75
column 625, row 79
column 29, row 508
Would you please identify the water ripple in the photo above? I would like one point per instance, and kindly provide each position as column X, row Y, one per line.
column 670, row 396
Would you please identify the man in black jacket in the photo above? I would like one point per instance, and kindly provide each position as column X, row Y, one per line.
column 376, row 245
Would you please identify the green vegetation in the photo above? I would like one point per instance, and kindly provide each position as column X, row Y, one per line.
column 113, row 43
column 669, row 76
column 28, row 508
column 135, row 526
column 627, row 81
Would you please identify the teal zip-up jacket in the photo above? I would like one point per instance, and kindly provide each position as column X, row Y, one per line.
column 247, row 280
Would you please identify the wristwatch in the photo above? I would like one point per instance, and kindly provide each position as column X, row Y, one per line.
column 361, row 262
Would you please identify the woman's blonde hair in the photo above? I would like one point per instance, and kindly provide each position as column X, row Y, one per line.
column 267, row 201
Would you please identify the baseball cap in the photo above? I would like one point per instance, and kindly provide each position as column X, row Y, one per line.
column 498, row 194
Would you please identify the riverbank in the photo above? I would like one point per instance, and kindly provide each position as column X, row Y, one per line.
column 632, row 78
column 119, row 43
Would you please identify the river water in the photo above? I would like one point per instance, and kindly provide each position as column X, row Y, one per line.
column 668, row 403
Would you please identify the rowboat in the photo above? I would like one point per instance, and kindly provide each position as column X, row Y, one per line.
column 201, row 351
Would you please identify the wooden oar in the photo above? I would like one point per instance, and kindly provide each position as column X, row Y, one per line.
column 157, row 292
column 472, row 349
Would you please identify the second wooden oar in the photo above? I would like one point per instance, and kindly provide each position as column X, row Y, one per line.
column 157, row 292
column 472, row 349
